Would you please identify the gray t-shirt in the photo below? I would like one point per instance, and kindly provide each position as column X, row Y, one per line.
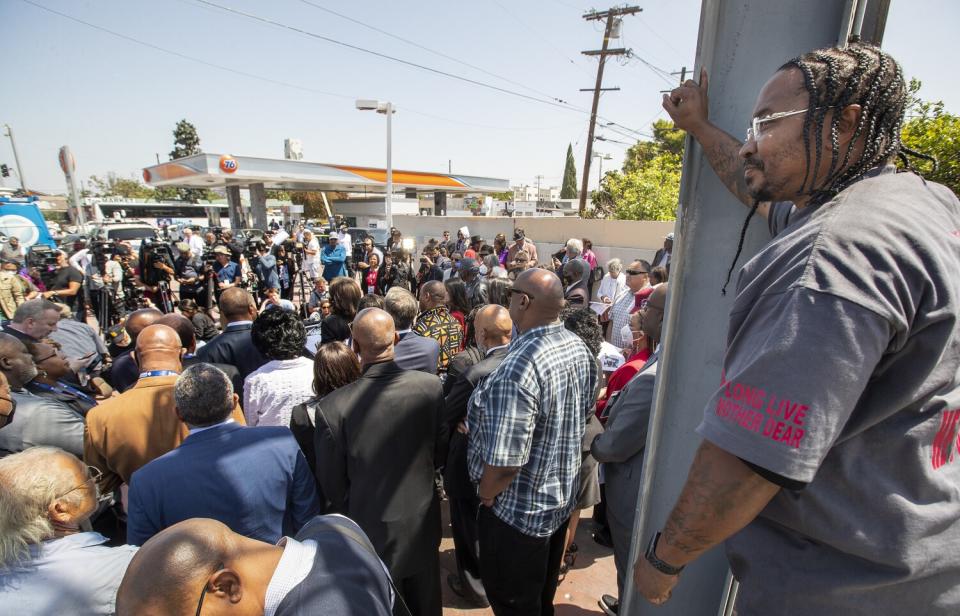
column 843, row 372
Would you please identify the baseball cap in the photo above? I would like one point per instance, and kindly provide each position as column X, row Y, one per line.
column 222, row 250
column 469, row 265
column 668, row 236
column 183, row 247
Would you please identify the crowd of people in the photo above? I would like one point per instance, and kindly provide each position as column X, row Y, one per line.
column 295, row 457
column 231, row 417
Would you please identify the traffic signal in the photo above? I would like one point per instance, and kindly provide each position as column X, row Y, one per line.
column 5, row 171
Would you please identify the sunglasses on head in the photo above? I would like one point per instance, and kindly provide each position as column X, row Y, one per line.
column 633, row 272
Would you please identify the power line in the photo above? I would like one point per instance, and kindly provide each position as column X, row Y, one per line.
column 427, row 49
column 381, row 55
column 263, row 78
column 183, row 55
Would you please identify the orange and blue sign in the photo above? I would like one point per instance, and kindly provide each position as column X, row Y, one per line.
column 228, row 164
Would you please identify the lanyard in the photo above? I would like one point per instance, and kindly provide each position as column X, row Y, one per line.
column 149, row 373
column 64, row 388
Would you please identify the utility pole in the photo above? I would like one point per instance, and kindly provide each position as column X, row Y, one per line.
column 612, row 16
column 539, row 198
column 16, row 157
column 683, row 74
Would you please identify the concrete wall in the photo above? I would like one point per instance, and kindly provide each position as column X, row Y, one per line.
column 623, row 239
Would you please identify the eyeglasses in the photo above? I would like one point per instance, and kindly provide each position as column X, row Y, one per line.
column 632, row 272
column 511, row 291
column 94, row 475
column 203, row 593
column 754, row 131
column 51, row 356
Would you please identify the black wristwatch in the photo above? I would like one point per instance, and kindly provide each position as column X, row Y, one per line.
column 659, row 565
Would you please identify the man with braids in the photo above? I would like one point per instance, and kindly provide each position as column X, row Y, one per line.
column 829, row 463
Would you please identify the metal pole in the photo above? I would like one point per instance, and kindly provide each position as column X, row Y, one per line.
column 16, row 157
column 389, row 197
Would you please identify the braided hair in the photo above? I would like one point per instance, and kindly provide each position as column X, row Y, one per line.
column 858, row 74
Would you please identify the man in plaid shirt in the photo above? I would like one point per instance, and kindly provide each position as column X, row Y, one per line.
column 525, row 423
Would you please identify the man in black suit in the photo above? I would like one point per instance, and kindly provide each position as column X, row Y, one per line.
column 235, row 346
column 493, row 328
column 201, row 566
column 662, row 258
column 413, row 351
column 124, row 373
column 188, row 340
column 376, row 443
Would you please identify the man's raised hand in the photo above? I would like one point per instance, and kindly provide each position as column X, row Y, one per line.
column 687, row 104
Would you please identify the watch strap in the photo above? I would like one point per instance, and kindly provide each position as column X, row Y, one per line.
column 659, row 565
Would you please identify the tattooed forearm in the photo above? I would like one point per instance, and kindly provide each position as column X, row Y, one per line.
column 720, row 497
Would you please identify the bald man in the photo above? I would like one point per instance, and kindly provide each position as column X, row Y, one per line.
column 526, row 422
column 492, row 328
column 200, row 566
column 435, row 321
column 376, row 445
column 123, row 374
column 127, row 431
column 235, row 346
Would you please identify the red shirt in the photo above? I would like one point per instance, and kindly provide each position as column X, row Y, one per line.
column 620, row 377
column 370, row 281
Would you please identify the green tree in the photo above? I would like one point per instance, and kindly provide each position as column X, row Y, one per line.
column 932, row 131
column 502, row 196
column 648, row 186
column 113, row 186
column 186, row 142
column 568, row 189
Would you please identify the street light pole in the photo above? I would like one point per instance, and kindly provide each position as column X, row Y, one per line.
column 387, row 108
column 16, row 157
column 389, row 199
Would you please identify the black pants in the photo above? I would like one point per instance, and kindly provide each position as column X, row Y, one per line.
column 421, row 591
column 519, row 572
column 463, row 521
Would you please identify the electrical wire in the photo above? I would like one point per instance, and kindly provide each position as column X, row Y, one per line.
column 540, row 36
column 384, row 56
column 271, row 80
column 185, row 56
column 428, row 50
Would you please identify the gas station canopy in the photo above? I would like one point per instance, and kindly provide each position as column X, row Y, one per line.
column 223, row 170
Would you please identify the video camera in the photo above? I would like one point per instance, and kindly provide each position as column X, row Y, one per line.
column 44, row 259
column 294, row 250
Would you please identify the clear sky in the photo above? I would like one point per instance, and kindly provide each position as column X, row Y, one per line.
column 115, row 102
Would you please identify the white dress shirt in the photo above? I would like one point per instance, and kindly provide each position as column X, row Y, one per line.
column 294, row 567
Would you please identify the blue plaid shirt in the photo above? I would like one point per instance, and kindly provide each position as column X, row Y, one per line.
column 530, row 413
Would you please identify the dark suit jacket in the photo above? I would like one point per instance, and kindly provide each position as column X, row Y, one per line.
column 235, row 347
column 578, row 297
column 230, row 370
column 346, row 577
column 656, row 257
column 124, row 373
column 416, row 352
column 456, row 481
column 254, row 480
column 376, row 444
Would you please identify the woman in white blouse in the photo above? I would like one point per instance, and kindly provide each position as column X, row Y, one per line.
column 271, row 391
column 614, row 283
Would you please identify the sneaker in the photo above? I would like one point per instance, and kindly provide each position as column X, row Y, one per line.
column 609, row 604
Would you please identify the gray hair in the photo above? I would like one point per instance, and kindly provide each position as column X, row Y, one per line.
column 402, row 306
column 574, row 246
column 614, row 265
column 203, row 395
column 34, row 309
column 29, row 484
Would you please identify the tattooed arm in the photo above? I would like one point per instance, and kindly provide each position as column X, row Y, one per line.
column 688, row 108
column 721, row 496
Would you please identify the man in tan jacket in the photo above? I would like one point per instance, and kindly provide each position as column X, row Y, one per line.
column 126, row 432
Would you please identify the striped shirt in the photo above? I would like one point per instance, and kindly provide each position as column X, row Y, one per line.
column 530, row 413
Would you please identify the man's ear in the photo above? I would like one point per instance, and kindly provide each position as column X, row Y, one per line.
column 224, row 585
column 849, row 119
